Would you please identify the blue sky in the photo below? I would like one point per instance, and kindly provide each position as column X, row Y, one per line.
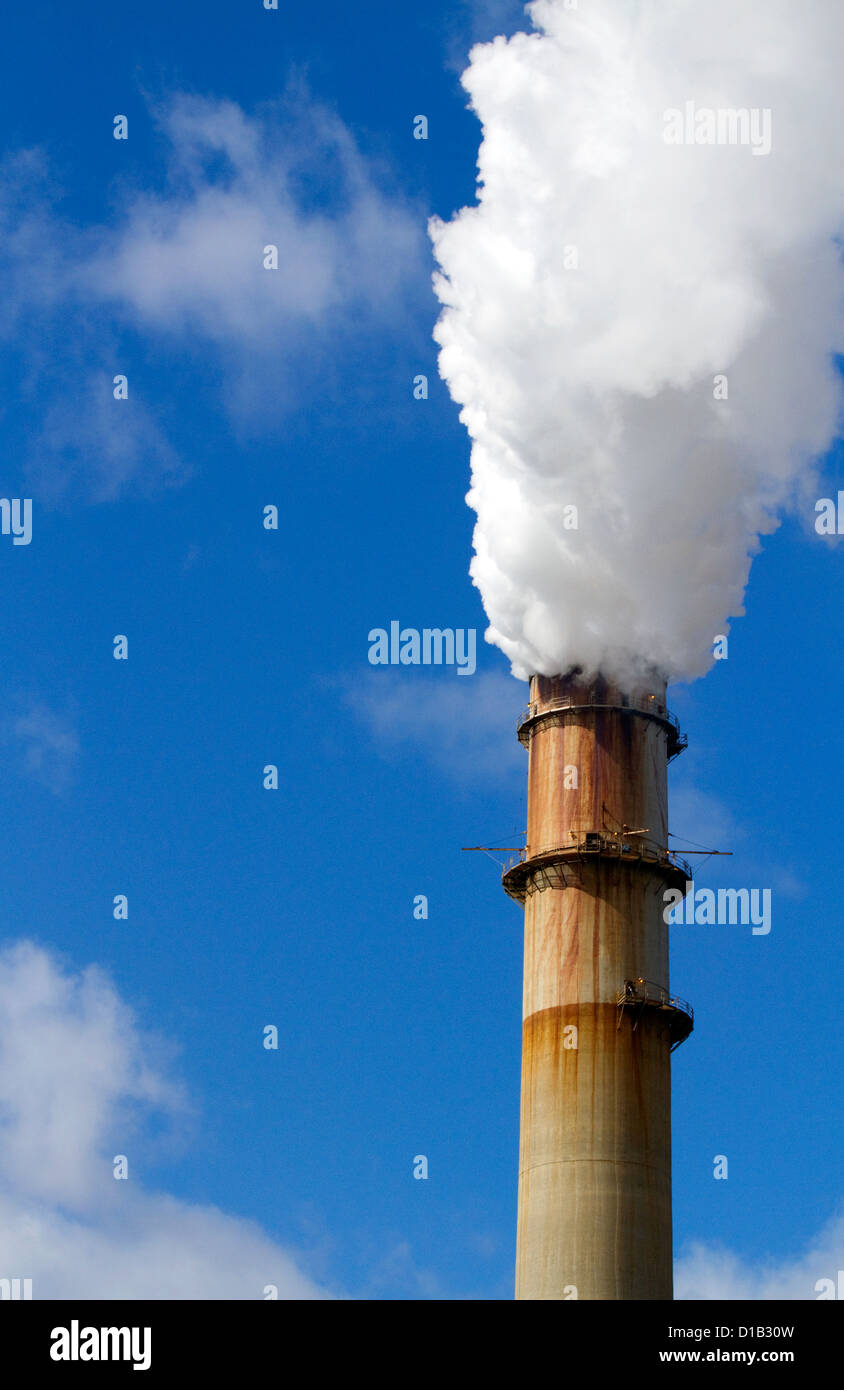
column 247, row 907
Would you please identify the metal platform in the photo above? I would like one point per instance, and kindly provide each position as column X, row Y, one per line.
column 648, row 707
column 562, row 867
column 640, row 995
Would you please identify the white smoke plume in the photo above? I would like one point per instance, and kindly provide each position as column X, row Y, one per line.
column 605, row 279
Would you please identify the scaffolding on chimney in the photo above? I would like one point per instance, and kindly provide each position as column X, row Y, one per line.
column 638, row 995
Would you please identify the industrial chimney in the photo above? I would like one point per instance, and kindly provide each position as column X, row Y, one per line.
column 599, row 1024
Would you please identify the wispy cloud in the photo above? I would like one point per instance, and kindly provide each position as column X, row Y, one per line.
column 192, row 259
column 479, row 21
column 45, row 744
column 397, row 1273
column 102, row 447
column 701, row 820
column 711, row 1272
column 466, row 727
column 78, row 1082
column 181, row 272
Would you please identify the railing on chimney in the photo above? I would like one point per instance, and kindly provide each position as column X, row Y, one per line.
column 638, row 995
column 594, row 842
column 646, row 704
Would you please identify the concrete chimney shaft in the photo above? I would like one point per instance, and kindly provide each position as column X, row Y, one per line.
column 594, row 1215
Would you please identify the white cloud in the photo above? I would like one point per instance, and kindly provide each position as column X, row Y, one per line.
column 160, row 1248
column 47, row 744
column 467, row 727
column 473, row 21
column 398, row 1269
column 191, row 259
column 101, row 446
column 709, row 1272
column 491, row 17
column 77, row 1081
column 182, row 270
column 701, row 820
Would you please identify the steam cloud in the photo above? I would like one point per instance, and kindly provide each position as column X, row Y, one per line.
column 594, row 386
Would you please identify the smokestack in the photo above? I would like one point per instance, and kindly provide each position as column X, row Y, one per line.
column 594, row 1212
column 624, row 318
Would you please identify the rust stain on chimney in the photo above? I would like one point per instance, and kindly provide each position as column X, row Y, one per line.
column 599, row 1019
